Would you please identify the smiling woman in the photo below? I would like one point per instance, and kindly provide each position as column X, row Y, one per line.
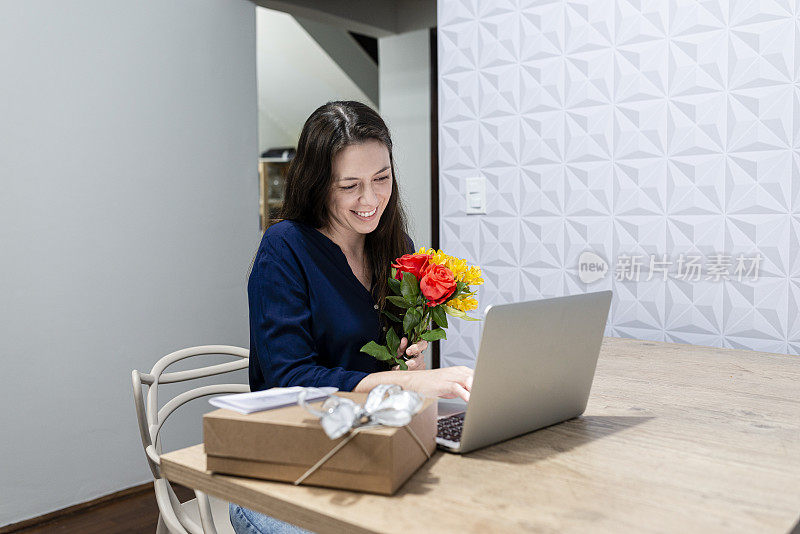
column 343, row 171
column 364, row 197
column 319, row 281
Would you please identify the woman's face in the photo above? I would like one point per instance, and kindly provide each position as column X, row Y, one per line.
column 362, row 185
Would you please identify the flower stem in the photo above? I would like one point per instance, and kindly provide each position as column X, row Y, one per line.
column 423, row 326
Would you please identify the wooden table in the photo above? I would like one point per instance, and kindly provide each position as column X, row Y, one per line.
column 676, row 438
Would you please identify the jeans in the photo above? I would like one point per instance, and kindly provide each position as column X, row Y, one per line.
column 246, row 521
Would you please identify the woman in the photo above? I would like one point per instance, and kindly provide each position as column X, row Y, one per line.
column 319, row 279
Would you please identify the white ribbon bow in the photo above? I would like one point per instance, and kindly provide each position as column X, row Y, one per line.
column 386, row 404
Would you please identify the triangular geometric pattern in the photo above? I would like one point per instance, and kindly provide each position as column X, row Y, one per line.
column 662, row 136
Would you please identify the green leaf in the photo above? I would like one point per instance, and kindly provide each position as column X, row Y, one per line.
column 398, row 301
column 449, row 310
column 394, row 285
column 439, row 316
column 468, row 318
column 409, row 287
column 402, row 364
column 377, row 351
column 411, row 320
column 433, row 335
column 392, row 341
column 392, row 316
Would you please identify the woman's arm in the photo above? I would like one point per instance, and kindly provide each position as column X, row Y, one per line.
column 448, row 382
column 280, row 324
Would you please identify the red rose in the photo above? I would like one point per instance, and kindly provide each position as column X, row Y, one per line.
column 415, row 264
column 437, row 284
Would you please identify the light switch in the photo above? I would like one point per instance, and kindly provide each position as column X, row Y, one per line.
column 475, row 200
column 476, row 195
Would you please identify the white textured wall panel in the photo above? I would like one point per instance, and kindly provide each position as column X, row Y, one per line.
column 628, row 128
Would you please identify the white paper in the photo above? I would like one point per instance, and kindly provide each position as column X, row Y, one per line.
column 268, row 399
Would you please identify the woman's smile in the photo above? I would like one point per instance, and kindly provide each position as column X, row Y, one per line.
column 366, row 215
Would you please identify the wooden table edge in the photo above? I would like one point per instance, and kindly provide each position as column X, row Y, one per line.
column 222, row 488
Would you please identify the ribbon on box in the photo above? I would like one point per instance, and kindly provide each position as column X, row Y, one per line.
column 386, row 404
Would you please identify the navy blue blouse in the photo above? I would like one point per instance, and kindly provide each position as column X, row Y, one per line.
column 309, row 314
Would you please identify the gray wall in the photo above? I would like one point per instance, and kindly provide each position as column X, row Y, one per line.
column 405, row 95
column 128, row 217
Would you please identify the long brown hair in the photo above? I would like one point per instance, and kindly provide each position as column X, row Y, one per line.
column 309, row 179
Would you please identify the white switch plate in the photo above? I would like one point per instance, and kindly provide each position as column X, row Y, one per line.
column 476, row 195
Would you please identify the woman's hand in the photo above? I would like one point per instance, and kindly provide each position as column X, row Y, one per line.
column 418, row 361
column 448, row 382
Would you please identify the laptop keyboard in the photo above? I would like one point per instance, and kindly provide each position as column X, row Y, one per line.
column 450, row 427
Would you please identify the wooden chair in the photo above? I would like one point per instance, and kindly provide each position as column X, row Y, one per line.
column 175, row 517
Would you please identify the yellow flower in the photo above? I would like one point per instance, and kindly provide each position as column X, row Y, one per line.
column 455, row 303
column 472, row 276
column 462, row 272
column 463, row 303
column 437, row 256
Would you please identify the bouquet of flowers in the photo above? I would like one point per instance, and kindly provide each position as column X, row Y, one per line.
column 428, row 286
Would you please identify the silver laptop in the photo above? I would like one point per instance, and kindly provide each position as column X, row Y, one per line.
column 534, row 369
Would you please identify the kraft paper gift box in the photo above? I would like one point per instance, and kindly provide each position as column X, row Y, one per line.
column 282, row 444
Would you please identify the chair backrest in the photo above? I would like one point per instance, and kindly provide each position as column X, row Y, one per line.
column 151, row 419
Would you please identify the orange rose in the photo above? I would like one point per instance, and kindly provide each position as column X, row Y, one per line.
column 415, row 264
column 437, row 284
